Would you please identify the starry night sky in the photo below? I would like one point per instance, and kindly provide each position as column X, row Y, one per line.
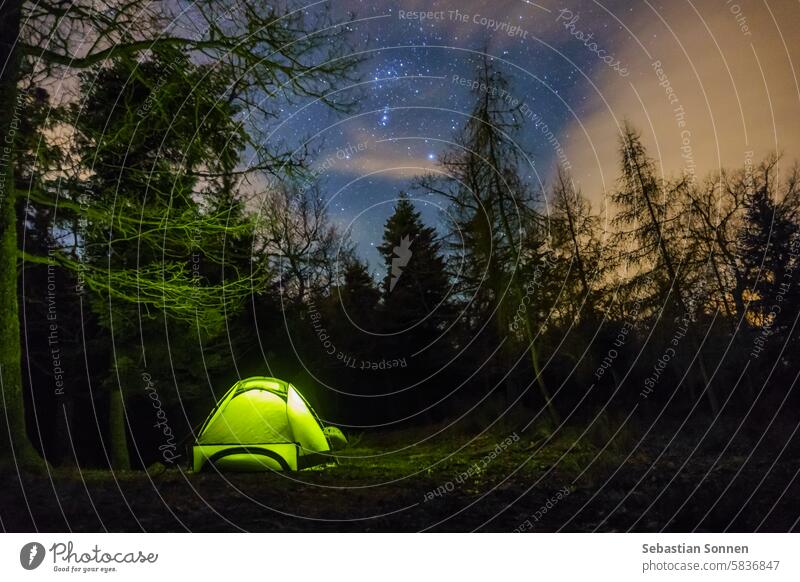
column 409, row 107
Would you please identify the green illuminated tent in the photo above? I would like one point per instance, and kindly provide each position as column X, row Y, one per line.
column 261, row 423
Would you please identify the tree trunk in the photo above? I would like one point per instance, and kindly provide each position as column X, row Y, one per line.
column 65, row 453
column 14, row 443
column 551, row 408
column 531, row 337
column 120, row 459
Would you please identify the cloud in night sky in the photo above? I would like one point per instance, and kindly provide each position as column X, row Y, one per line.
column 735, row 90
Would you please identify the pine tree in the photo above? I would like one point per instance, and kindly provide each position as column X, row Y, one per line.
column 415, row 309
column 769, row 241
column 359, row 295
column 415, row 284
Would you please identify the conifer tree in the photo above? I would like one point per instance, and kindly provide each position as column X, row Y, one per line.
column 496, row 225
column 647, row 221
column 415, row 309
column 415, row 284
column 577, row 246
column 650, row 233
column 769, row 244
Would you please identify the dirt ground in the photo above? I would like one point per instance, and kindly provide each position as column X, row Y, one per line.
column 500, row 481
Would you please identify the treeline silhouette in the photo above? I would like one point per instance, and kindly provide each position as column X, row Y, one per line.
column 154, row 277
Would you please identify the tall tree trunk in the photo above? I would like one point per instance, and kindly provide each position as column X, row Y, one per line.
column 566, row 189
column 65, row 411
column 551, row 408
column 529, row 334
column 14, row 443
column 499, row 188
column 120, row 458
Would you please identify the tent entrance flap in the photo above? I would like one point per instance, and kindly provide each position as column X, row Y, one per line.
column 255, row 457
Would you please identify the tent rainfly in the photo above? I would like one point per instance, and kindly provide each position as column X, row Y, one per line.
column 260, row 424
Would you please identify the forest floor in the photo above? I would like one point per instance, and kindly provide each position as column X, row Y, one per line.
column 498, row 481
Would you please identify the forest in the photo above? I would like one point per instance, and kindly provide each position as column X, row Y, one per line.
column 158, row 246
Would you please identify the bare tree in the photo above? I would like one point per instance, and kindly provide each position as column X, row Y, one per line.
column 306, row 249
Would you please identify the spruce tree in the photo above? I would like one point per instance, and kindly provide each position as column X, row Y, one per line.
column 415, row 283
column 359, row 295
column 415, row 310
column 769, row 243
